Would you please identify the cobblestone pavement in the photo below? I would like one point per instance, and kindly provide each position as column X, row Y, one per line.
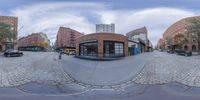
column 90, row 79
column 32, row 67
column 149, row 68
column 165, row 68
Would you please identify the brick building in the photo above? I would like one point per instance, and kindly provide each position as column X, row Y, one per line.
column 180, row 27
column 66, row 38
column 160, row 44
column 102, row 45
column 33, row 42
column 13, row 22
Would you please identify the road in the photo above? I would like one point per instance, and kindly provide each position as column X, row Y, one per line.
column 41, row 67
column 104, row 72
column 150, row 76
column 149, row 68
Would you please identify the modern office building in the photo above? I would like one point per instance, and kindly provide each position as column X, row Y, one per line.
column 102, row 45
column 103, row 28
column 6, row 43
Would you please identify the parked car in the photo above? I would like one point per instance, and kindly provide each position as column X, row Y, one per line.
column 170, row 51
column 183, row 52
column 13, row 53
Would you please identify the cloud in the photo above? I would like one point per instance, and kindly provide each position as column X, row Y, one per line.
column 157, row 20
column 47, row 17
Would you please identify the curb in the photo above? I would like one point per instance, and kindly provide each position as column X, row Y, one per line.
column 99, row 59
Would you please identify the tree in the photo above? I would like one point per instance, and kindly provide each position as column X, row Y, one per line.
column 195, row 29
column 44, row 44
column 5, row 32
column 162, row 46
column 179, row 40
column 170, row 43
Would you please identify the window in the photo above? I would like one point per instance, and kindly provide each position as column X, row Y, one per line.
column 72, row 39
column 88, row 48
column 119, row 51
column 193, row 40
column 113, row 49
column 193, row 48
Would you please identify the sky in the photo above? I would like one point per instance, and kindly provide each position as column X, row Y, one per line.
column 48, row 15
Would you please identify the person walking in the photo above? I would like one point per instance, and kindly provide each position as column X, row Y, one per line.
column 60, row 55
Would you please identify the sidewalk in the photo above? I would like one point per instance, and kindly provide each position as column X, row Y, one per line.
column 1, row 54
column 195, row 53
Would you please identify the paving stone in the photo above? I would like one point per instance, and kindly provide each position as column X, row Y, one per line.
column 33, row 66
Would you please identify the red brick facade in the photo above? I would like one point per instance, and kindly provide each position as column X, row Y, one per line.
column 13, row 22
column 180, row 27
column 66, row 37
column 160, row 44
column 100, row 37
column 35, row 39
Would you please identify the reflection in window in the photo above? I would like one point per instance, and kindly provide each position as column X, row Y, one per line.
column 88, row 48
column 113, row 49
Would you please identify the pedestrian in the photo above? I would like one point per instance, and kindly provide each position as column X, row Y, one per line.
column 60, row 55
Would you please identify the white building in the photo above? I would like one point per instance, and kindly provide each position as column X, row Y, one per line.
column 139, row 35
column 105, row 28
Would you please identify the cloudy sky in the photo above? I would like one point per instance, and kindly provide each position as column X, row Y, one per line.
column 82, row 15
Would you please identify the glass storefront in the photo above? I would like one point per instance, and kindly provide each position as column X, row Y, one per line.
column 113, row 49
column 110, row 49
column 89, row 48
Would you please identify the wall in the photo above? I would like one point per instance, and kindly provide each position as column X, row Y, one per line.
column 100, row 37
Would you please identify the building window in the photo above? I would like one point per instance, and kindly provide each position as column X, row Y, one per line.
column 88, row 48
column 193, row 40
column 186, row 47
column 72, row 44
column 113, row 49
column 119, row 50
column 194, row 48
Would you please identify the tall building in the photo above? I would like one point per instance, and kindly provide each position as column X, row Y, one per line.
column 180, row 27
column 6, row 43
column 66, row 38
column 110, row 28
